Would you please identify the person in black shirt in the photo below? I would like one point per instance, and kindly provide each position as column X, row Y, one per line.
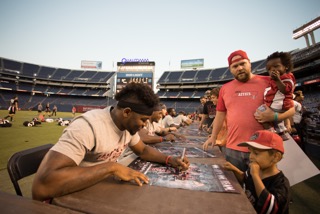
column 203, row 100
column 209, row 113
column 265, row 185
column 14, row 107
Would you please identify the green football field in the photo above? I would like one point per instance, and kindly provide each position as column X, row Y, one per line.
column 19, row 137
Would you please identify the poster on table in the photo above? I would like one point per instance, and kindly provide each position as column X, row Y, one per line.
column 202, row 177
column 194, row 132
column 191, row 142
column 191, row 152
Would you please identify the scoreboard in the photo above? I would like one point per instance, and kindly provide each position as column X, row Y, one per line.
column 124, row 78
column 139, row 72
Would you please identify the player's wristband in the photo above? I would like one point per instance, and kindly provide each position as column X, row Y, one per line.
column 167, row 159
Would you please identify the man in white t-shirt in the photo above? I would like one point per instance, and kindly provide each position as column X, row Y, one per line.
column 168, row 121
column 90, row 146
column 154, row 133
column 182, row 119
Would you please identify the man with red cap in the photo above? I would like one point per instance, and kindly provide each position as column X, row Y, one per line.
column 266, row 186
column 237, row 103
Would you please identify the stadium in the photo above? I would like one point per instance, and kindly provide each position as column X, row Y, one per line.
column 92, row 88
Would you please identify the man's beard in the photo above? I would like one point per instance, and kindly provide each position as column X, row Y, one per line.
column 244, row 77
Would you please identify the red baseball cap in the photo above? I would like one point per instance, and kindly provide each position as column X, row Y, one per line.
column 264, row 139
column 236, row 56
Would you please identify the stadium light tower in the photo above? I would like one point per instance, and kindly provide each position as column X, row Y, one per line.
column 307, row 29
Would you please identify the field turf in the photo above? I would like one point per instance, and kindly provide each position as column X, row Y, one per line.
column 19, row 137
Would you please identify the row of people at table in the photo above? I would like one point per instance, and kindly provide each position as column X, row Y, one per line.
column 88, row 149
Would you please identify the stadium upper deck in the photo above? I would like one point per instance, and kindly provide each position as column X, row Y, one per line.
column 175, row 86
column 193, row 83
column 26, row 77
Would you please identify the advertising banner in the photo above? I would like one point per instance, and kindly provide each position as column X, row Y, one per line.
column 192, row 63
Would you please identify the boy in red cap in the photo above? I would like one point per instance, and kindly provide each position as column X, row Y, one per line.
column 265, row 185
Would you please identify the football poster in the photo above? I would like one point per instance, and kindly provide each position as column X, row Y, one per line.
column 202, row 177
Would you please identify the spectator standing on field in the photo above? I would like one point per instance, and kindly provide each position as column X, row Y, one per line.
column 54, row 110
column 74, row 110
column 13, row 108
column 48, row 109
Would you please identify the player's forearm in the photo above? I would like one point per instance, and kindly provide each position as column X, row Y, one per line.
column 58, row 182
column 165, row 131
column 152, row 139
column 153, row 155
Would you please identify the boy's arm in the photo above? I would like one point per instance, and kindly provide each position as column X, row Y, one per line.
column 287, row 123
column 258, row 184
column 286, row 84
column 281, row 86
column 275, row 198
column 237, row 172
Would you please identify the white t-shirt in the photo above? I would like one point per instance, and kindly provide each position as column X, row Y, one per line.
column 180, row 118
column 152, row 128
column 298, row 114
column 93, row 138
column 168, row 121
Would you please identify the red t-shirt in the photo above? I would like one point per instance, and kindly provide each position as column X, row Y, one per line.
column 240, row 101
column 277, row 100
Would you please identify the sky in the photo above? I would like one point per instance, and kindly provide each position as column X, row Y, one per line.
column 62, row 33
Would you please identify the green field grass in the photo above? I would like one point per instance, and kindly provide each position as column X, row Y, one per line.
column 19, row 137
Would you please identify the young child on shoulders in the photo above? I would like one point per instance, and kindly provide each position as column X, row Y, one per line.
column 279, row 95
column 265, row 185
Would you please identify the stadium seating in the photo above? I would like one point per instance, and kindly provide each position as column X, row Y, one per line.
column 193, row 83
column 35, row 83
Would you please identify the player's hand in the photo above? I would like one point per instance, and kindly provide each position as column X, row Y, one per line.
column 181, row 137
column 209, row 142
column 254, row 169
column 173, row 128
column 179, row 163
column 170, row 137
column 127, row 174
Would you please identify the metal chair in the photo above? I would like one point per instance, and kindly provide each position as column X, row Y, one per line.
column 25, row 163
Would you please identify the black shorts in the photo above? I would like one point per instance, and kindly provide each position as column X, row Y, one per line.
column 12, row 111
